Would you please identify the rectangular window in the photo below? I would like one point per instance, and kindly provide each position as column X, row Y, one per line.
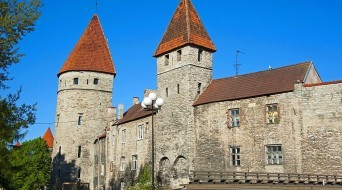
column 274, row 154
column 134, row 162
column 272, row 113
column 122, row 164
column 167, row 58
column 75, row 81
column 179, row 55
column 234, row 117
column 177, row 88
column 96, row 81
column 200, row 54
column 79, row 121
column 199, row 87
column 79, row 152
column 123, row 136
column 235, row 155
column 140, row 132
column 167, row 92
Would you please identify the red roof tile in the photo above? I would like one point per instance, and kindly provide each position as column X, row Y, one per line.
column 255, row 84
column 185, row 28
column 48, row 137
column 133, row 113
column 91, row 52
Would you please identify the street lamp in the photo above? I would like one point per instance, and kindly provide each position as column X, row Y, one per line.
column 152, row 103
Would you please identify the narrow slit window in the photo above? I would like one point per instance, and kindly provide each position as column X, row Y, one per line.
column 199, row 56
column 177, row 88
column 79, row 121
column 59, row 152
column 199, row 87
column 79, row 173
column 75, row 81
column 79, row 152
column 179, row 55
column 167, row 92
column 167, row 59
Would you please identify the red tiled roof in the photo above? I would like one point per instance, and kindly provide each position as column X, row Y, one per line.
column 133, row 113
column 323, row 83
column 48, row 137
column 91, row 52
column 255, row 84
column 185, row 28
column 17, row 144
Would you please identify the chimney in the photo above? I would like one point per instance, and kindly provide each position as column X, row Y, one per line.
column 135, row 100
column 121, row 111
column 111, row 113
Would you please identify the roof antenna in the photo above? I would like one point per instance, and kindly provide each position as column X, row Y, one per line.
column 237, row 62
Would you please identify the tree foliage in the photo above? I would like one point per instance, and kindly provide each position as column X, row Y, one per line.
column 30, row 165
column 16, row 20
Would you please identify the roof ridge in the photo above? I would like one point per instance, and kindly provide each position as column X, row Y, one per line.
column 262, row 71
column 188, row 28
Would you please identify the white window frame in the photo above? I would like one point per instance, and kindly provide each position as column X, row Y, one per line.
column 235, row 152
column 272, row 113
column 140, row 132
column 134, row 165
column 274, row 154
column 234, row 117
column 122, row 164
column 123, row 136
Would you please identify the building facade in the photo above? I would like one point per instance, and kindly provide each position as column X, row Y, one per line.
column 283, row 120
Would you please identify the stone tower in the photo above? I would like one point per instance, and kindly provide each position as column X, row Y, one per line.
column 184, row 69
column 84, row 94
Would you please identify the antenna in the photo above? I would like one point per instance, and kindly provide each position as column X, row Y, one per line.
column 237, row 62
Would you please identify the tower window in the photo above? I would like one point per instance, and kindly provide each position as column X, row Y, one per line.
column 79, row 121
column 79, row 152
column 79, row 173
column 75, row 81
column 167, row 58
column 200, row 54
column 59, row 152
column 199, row 86
column 96, row 81
column 87, row 81
column 179, row 55
column 167, row 92
column 178, row 88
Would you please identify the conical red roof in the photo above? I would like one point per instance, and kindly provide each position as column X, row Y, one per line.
column 48, row 137
column 91, row 52
column 185, row 28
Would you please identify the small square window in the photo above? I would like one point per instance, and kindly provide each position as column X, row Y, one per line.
column 272, row 113
column 96, row 81
column 75, row 81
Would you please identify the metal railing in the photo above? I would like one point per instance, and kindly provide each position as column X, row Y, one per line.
column 263, row 178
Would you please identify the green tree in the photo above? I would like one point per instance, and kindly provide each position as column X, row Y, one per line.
column 30, row 165
column 17, row 19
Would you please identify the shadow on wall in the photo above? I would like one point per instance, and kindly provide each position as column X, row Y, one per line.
column 63, row 172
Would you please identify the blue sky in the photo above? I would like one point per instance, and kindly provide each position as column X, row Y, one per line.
column 269, row 32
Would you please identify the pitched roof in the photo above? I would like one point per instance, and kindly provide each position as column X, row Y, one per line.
column 48, row 137
column 91, row 52
column 254, row 84
column 133, row 113
column 185, row 28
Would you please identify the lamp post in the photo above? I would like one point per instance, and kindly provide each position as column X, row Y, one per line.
column 152, row 103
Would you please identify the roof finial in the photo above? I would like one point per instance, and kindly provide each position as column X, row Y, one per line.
column 236, row 65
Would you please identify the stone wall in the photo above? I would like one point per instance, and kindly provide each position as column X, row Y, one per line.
column 322, row 129
column 90, row 102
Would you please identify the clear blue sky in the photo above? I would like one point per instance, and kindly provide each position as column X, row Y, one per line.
column 276, row 33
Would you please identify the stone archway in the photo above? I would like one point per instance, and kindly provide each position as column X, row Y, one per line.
column 164, row 172
column 180, row 172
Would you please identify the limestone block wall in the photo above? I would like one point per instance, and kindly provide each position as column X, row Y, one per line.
column 322, row 129
column 214, row 137
column 80, row 116
column 125, row 143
